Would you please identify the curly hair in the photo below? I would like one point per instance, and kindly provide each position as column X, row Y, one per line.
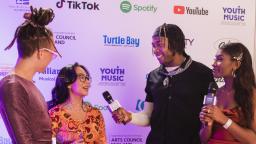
column 244, row 80
column 66, row 76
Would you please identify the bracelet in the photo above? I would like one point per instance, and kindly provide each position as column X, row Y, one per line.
column 228, row 124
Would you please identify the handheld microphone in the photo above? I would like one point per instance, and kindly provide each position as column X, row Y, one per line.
column 113, row 104
column 210, row 98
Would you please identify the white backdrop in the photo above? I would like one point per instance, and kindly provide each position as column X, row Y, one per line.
column 113, row 40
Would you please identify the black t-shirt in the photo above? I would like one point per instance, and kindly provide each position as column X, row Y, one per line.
column 177, row 102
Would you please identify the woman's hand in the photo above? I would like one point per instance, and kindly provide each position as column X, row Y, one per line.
column 216, row 114
column 206, row 120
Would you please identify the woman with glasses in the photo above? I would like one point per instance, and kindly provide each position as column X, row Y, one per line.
column 233, row 119
column 74, row 121
column 22, row 105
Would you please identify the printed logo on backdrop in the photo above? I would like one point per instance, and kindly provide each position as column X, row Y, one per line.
column 140, row 105
column 22, row 2
column 61, row 38
column 5, row 69
column 182, row 10
column 126, row 7
column 49, row 75
column 20, row 5
column 189, row 42
column 126, row 139
column 234, row 16
column 78, row 5
column 112, row 76
column 4, row 140
column 98, row 106
column 222, row 41
column 121, row 41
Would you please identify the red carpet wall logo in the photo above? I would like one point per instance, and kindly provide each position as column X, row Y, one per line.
column 112, row 76
column 126, row 7
column 140, row 105
column 5, row 69
column 81, row 5
column 223, row 41
column 234, row 16
column 179, row 9
column 121, row 41
column 62, row 38
column 23, row 2
column 49, row 74
column 20, row 5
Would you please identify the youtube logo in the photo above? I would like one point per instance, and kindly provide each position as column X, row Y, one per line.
column 179, row 9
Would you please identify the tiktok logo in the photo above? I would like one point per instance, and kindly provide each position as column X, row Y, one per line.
column 81, row 5
column 60, row 4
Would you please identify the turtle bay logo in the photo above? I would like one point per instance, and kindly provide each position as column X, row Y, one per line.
column 234, row 15
column 126, row 7
column 62, row 37
column 49, row 74
column 81, row 5
column 22, row 2
column 112, row 76
column 223, row 41
column 181, row 10
column 121, row 41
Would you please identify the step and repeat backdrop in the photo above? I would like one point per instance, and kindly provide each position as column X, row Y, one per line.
column 112, row 39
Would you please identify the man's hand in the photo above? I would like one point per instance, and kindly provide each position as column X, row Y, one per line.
column 122, row 116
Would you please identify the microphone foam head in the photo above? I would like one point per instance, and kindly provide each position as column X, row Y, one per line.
column 107, row 96
column 212, row 87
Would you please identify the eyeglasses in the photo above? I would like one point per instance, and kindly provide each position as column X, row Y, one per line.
column 83, row 77
column 54, row 54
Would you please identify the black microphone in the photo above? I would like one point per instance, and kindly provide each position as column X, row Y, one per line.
column 113, row 104
column 210, row 98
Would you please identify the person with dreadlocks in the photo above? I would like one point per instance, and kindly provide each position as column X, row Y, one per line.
column 174, row 92
column 22, row 105
column 232, row 120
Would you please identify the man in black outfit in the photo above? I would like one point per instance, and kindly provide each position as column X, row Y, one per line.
column 174, row 92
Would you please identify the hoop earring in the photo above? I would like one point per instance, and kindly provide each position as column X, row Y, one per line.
column 233, row 73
